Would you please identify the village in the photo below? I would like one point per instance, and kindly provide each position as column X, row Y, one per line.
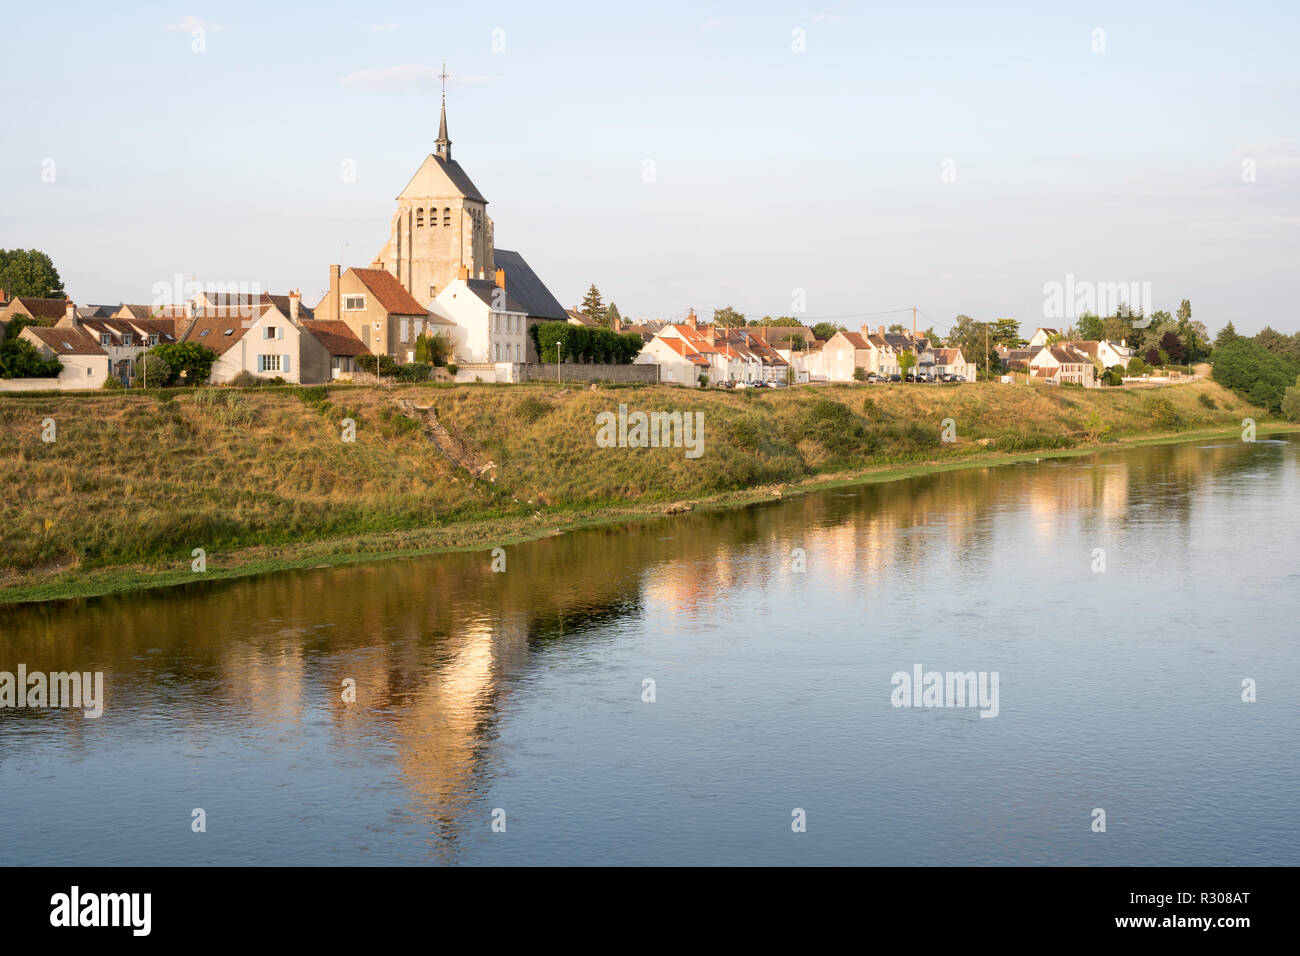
column 441, row 302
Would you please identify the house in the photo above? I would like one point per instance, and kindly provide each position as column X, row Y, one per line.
column 378, row 311
column 486, row 322
column 42, row 311
column 328, row 351
column 574, row 317
column 950, row 361
column 1057, row 364
column 700, row 340
column 843, row 354
column 677, row 359
column 1041, row 337
column 85, row 364
column 530, row 292
column 124, row 340
column 1104, row 353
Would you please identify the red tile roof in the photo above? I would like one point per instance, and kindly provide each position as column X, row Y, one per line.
column 390, row 293
column 336, row 337
column 65, row 341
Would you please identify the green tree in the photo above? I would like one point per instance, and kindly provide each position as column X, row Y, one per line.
column 1006, row 332
column 1252, row 370
column 1291, row 402
column 20, row 359
column 190, row 359
column 729, row 318
column 906, row 361
column 1090, row 327
column 826, row 330
column 29, row 272
column 611, row 314
column 1226, row 335
column 1185, row 311
column 151, row 371
column 593, row 306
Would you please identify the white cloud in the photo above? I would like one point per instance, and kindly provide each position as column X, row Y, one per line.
column 409, row 76
column 190, row 24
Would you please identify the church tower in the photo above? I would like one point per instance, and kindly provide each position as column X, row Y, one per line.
column 441, row 224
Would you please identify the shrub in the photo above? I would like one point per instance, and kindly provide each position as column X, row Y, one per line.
column 245, row 379
column 452, row 368
column 112, row 384
column 531, row 410
column 414, row 372
column 188, row 359
column 1206, row 400
column 1161, row 411
column 151, row 371
column 382, row 364
column 1291, row 402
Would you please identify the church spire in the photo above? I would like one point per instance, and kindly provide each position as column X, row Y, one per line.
column 443, row 145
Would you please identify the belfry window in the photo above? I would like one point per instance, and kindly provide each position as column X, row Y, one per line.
column 419, row 218
column 446, row 216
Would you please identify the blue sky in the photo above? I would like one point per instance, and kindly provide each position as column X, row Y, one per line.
column 774, row 170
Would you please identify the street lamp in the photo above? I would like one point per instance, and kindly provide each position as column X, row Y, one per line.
column 559, row 346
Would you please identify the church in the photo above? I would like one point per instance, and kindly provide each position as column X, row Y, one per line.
column 441, row 250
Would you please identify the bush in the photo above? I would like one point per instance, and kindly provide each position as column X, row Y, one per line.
column 1162, row 411
column 151, row 371
column 414, row 372
column 188, row 359
column 20, row 359
column 112, row 384
column 1206, row 400
column 578, row 343
column 245, row 379
column 531, row 410
column 1291, row 402
column 452, row 368
column 382, row 364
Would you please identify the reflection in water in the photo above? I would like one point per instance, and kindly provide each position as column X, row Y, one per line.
column 436, row 646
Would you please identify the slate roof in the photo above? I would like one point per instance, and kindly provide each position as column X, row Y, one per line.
column 523, row 283
column 487, row 291
column 392, row 295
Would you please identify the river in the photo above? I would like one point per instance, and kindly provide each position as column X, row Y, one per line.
column 1120, row 600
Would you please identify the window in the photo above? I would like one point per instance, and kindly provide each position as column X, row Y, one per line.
column 204, row 332
column 228, row 332
column 419, row 327
column 497, row 350
column 354, row 303
column 406, row 329
column 446, row 216
column 153, row 339
column 90, row 371
column 272, row 332
column 126, row 338
column 268, row 363
column 419, row 218
column 105, row 338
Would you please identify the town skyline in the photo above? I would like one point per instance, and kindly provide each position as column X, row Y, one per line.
column 827, row 176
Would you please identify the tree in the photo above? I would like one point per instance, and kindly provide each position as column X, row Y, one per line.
column 151, row 371
column 897, row 327
column 1226, row 335
column 729, row 318
column 826, row 330
column 592, row 305
column 190, row 359
column 906, row 360
column 1252, row 370
column 20, row 359
column 1090, row 327
column 1173, row 346
column 1291, row 402
column 1006, row 332
column 611, row 315
column 1185, row 311
column 978, row 340
column 29, row 272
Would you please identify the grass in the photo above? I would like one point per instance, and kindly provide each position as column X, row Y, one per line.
column 262, row 478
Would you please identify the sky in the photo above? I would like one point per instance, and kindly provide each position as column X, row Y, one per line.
column 836, row 161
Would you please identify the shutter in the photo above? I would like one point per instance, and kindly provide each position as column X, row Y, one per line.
column 286, row 363
column 259, row 363
column 279, row 332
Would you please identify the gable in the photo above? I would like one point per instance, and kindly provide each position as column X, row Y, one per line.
column 439, row 178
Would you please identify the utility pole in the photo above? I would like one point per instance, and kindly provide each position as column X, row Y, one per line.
column 917, row 367
column 986, row 351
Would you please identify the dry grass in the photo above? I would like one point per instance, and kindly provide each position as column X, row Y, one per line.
column 141, row 480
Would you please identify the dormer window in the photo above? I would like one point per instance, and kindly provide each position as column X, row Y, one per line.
column 126, row 338
column 105, row 339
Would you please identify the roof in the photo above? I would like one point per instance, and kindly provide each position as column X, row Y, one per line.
column 390, row 293
column 580, row 318
column 438, row 178
column 1067, row 354
column 165, row 329
column 947, row 356
column 66, row 341
column 140, row 311
column 522, row 283
column 683, row 349
column 219, row 329
column 96, row 311
column 856, row 340
column 43, row 308
column 487, row 291
column 1087, row 348
column 779, row 333
column 336, row 337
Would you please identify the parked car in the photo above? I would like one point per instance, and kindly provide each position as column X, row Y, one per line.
column 895, row 378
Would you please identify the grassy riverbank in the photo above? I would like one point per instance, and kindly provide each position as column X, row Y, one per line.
column 261, row 480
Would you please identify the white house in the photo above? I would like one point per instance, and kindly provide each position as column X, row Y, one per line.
column 85, row 364
column 678, row 361
column 486, row 323
column 1040, row 337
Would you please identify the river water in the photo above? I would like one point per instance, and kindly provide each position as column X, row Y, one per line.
column 772, row 635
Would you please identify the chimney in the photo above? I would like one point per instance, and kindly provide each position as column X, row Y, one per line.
column 70, row 313
column 334, row 293
column 618, row 324
column 690, row 318
column 880, row 330
column 481, row 275
column 501, row 278
column 294, row 297
column 463, row 274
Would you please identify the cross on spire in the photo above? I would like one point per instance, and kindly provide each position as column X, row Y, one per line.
column 443, row 145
